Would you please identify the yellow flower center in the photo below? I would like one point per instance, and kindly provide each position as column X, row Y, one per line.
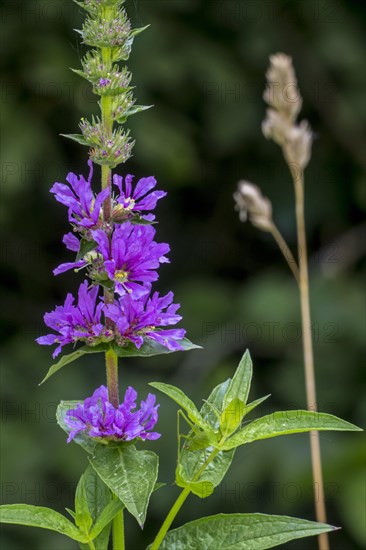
column 121, row 275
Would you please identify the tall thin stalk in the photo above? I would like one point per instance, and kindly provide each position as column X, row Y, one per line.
column 319, row 497
column 295, row 139
column 287, row 254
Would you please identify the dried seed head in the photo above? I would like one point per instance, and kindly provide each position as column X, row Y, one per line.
column 252, row 205
column 282, row 92
column 284, row 100
column 276, row 127
column 299, row 144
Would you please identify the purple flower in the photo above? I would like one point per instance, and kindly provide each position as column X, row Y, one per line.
column 136, row 199
column 100, row 419
column 85, row 209
column 131, row 257
column 103, row 82
column 76, row 323
column 139, row 319
column 72, row 243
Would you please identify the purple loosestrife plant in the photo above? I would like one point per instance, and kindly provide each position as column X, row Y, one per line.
column 120, row 314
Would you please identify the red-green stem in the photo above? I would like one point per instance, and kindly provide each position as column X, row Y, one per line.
column 111, row 360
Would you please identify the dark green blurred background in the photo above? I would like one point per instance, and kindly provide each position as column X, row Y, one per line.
column 202, row 65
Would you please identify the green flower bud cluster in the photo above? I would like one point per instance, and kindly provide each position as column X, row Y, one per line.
column 108, row 149
column 93, row 6
column 100, row 32
column 105, row 82
column 108, row 31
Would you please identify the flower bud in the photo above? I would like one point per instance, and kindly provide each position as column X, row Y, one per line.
column 105, row 80
column 94, row 6
column 102, row 32
column 106, row 148
column 252, row 205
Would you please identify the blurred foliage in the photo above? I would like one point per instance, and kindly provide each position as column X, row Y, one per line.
column 202, row 65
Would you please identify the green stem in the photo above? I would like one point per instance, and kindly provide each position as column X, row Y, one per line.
column 170, row 518
column 91, row 545
column 118, row 531
column 179, row 503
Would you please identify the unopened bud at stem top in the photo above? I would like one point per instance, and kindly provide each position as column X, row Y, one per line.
column 252, row 205
column 284, row 100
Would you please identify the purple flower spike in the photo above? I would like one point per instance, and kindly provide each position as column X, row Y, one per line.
column 76, row 323
column 100, row 419
column 138, row 319
column 85, row 209
column 132, row 257
column 140, row 198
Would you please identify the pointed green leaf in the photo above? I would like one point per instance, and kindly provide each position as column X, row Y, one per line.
column 213, row 406
column 254, row 404
column 105, row 518
column 287, row 422
column 183, row 401
column 85, row 247
column 97, row 494
column 98, row 498
column 149, row 348
column 241, row 532
column 71, row 357
column 79, row 138
column 83, row 518
column 37, row 516
column 87, row 7
column 135, row 32
column 191, row 459
column 71, row 512
column 231, row 417
column 240, row 384
column 65, row 360
column 79, row 72
column 130, row 475
column 133, row 111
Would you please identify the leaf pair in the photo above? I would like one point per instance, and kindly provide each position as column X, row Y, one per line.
column 216, row 429
column 148, row 349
